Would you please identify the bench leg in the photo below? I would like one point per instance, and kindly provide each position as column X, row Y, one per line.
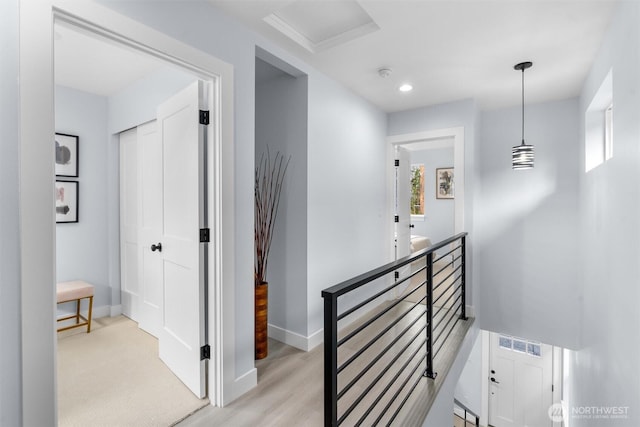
column 89, row 314
column 78, row 311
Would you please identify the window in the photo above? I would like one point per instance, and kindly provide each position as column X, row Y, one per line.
column 608, row 133
column 417, row 189
column 598, row 132
column 532, row 348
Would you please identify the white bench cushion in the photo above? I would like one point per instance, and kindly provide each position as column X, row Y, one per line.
column 69, row 291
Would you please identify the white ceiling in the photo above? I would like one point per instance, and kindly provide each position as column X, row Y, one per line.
column 448, row 50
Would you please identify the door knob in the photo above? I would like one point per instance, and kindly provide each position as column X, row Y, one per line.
column 157, row 247
column 493, row 380
column 493, row 372
column 412, row 226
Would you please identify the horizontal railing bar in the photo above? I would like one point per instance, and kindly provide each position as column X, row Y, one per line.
column 437, row 287
column 382, row 292
column 413, row 290
column 453, row 304
column 404, row 383
column 376, row 338
column 388, row 387
column 406, row 397
column 455, row 270
column 363, row 279
column 454, row 307
column 448, row 253
column 446, row 324
column 373, row 319
column 461, row 405
column 447, row 265
column 444, row 293
column 386, row 349
column 435, row 353
column 381, row 374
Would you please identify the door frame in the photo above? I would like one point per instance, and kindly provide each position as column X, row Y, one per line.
column 427, row 137
column 37, row 236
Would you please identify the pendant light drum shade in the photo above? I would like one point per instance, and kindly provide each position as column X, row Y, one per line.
column 522, row 156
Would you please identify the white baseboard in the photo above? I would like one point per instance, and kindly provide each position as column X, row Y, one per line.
column 242, row 384
column 116, row 310
column 97, row 312
column 294, row 339
column 469, row 311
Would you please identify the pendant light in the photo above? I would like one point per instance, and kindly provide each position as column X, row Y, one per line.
column 522, row 155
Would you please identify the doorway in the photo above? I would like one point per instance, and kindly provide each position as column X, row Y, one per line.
column 415, row 142
column 210, row 70
column 524, row 381
column 92, row 111
column 36, row 175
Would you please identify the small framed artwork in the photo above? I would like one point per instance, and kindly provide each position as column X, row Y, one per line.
column 444, row 183
column 66, row 201
column 66, row 155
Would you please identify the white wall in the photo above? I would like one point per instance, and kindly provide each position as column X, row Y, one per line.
column 439, row 214
column 468, row 390
column 81, row 248
column 137, row 103
column 281, row 125
column 526, row 225
column 10, row 356
column 604, row 369
column 347, row 200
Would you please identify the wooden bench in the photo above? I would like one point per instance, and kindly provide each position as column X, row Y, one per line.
column 75, row 291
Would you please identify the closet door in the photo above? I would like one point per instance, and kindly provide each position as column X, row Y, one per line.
column 130, row 250
column 150, row 227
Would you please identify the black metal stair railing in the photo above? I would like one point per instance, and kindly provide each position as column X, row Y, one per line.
column 383, row 330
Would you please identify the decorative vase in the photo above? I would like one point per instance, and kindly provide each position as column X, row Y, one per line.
column 261, row 305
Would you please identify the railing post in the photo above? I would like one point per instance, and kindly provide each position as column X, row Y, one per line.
column 463, row 300
column 330, row 360
column 429, row 284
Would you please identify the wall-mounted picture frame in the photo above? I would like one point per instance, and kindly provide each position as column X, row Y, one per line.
column 67, row 155
column 67, row 197
column 444, row 183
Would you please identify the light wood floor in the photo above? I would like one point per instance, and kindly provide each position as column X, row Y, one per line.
column 290, row 389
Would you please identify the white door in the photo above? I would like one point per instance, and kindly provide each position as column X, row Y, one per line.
column 520, row 382
column 130, row 249
column 150, row 227
column 182, row 331
column 403, row 209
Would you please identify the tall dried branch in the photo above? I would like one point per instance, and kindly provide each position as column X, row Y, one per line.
column 269, row 178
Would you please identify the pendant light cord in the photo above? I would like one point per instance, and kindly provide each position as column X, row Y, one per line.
column 522, row 106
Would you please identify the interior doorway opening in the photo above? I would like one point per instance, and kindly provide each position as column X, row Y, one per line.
column 407, row 149
column 89, row 247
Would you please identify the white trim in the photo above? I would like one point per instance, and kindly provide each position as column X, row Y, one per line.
column 294, row 339
column 115, row 310
column 37, row 222
column 243, row 384
column 484, row 378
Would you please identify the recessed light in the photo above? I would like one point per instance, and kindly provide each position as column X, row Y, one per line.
column 405, row 88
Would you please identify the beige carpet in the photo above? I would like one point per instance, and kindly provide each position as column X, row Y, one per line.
column 114, row 377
